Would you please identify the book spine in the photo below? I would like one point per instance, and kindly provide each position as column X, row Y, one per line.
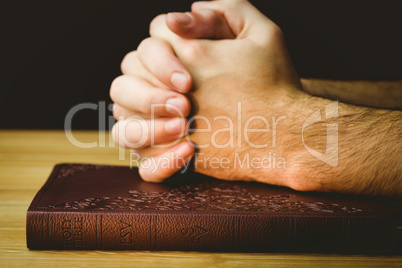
column 204, row 232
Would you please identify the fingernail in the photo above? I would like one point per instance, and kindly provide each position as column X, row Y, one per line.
column 179, row 80
column 182, row 18
column 173, row 126
column 175, row 106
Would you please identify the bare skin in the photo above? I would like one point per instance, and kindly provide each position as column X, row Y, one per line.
column 376, row 94
column 251, row 68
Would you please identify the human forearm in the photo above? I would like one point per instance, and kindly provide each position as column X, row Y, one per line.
column 377, row 94
column 369, row 151
column 248, row 102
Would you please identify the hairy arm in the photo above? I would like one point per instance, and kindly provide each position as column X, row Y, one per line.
column 327, row 145
column 369, row 158
column 377, row 94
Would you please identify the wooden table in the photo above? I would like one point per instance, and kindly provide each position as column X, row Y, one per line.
column 26, row 159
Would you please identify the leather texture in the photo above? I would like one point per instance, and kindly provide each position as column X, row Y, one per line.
column 110, row 207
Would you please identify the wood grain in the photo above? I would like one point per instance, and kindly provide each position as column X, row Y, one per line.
column 26, row 159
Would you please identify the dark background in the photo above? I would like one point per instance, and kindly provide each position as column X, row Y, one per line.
column 56, row 54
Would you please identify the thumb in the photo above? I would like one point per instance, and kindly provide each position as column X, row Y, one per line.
column 243, row 18
column 203, row 23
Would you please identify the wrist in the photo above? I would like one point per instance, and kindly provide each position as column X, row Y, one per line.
column 298, row 139
column 288, row 110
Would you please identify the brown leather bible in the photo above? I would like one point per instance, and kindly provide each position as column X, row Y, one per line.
column 110, row 207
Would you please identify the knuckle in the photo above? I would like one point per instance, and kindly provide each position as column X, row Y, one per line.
column 156, row 24
column 115, row 88
column 272, row 36
column 276, row 31
column 210, row 16
column 144, row 45
column 116, row 112
column 146, row 104
column 120, row 113
column 191, row 51
column 128, row 61
column 231, row 4
column 136, row 134
column 234, row 3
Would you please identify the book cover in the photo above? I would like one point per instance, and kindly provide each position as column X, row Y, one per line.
column 110, row 207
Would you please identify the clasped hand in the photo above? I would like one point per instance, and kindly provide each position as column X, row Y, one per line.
column 222, row 61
